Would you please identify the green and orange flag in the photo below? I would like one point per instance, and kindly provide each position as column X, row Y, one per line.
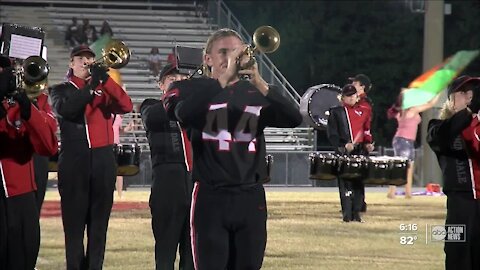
column 97, row 47
column 429, row 84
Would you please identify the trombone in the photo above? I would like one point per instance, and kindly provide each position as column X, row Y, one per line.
column 32, row 76
column 115, row 55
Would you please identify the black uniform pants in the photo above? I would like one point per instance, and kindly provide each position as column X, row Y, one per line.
column 463, row 255
column 40, row 164
column 351, row 197
column 86, row 179
column 19, row 231
column 229, row 227
column 170, row 200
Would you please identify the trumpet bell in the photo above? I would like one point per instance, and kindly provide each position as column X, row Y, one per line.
column 116, row 54
column 266, row 39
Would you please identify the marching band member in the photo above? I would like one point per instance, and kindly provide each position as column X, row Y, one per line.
column 87, row 168
column 225, row 115
column 172, row 185
column 40, row 163
column 24, row 129
column 348, row 130
column 363, row 84
column 455, row 140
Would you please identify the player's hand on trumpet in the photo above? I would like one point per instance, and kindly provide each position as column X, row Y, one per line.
column 255, row 78
column 98, row 75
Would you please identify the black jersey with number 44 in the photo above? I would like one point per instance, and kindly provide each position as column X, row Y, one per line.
column 224, row 125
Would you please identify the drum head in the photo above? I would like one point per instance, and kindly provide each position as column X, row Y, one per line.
column 316, row 102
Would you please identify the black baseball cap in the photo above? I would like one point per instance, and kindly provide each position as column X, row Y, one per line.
column 81, row 49
column 363, row 79
column 461, row 83
column 349, row 90
column 167, row 69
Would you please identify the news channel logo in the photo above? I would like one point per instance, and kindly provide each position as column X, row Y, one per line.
column 448, row 233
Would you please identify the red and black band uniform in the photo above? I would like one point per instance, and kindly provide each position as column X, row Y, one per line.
column 171, row 191
column 455, row 142
column 19, row 214
column 87, row 166
column 228, row 219
column 40, row 163
column 365, row 101
column 350, row 124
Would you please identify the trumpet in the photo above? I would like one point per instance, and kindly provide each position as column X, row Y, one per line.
column 266, row 39
column 115, row 55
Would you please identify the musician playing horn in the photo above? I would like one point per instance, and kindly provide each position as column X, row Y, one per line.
column 24, row 129
column 454, row 139
column 348, row 130
column 87, row 170
column 225, row 115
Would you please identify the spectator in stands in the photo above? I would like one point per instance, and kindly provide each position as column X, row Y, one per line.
column 154, row 61
column 200, row 8
column 106, row 29
column 89, row 32
column 73, row 35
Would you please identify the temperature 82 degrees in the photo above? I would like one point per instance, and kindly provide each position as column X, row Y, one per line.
column 406, row 240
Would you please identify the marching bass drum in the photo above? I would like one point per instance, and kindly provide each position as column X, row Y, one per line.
column 316, row 102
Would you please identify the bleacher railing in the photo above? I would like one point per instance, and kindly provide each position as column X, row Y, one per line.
column 224, row 17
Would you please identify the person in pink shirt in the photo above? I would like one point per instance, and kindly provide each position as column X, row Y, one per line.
column 117, row 125
column 404, row 140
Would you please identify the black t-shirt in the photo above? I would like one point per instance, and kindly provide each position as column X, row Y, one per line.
column 224, row 125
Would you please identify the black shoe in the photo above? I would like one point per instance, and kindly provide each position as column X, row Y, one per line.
column 347, row 217
column 364, row 208
column 357, row 218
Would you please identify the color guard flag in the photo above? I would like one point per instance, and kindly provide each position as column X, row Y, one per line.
column 429, row 84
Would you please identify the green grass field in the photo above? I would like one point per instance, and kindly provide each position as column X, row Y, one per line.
column 304, row 232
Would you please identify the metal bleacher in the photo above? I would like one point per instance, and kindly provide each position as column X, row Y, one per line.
column 141, row 25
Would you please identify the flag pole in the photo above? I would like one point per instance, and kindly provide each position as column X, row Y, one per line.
column 432, row 55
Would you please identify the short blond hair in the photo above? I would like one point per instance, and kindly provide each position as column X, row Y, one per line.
column 220, row 33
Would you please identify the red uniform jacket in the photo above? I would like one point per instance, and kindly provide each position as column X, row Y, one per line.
column 359, row 120
column 19, row 139
column 87, row 119
column 471, row 135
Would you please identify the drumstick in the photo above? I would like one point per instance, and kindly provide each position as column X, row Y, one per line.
column 357, row 137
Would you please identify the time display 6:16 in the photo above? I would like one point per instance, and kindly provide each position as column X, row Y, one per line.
column 408, row 227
